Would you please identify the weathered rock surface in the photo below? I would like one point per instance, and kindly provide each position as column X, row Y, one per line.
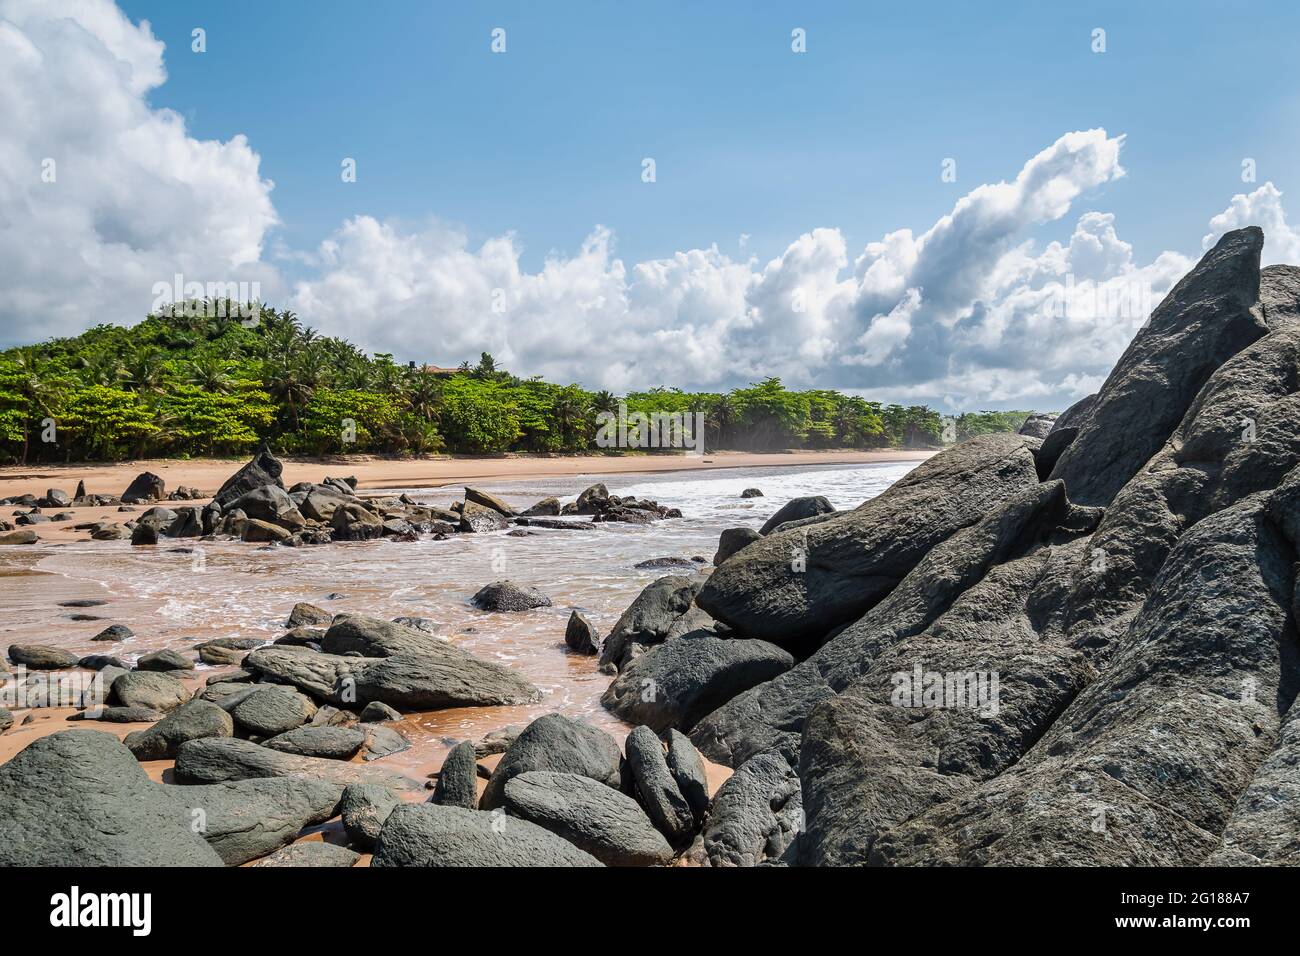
column 580, row 636
column 755, row 815
column 609, row 825
column 153, row 691
column 664, row 608
column 656, row 787
column 330, row 743
column 430, row 835
column 797, row 509
column 264, row 469
column 313, row 853
column 217, row 760
column 193, row 720
column 508, row 596
column 457, row 784
column 42, row 657
column 556, row 742
column 364, row 808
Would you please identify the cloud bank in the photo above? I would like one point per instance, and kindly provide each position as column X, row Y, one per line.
column 969, row 313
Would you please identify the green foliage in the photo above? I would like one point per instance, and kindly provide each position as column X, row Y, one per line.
column 196, row 381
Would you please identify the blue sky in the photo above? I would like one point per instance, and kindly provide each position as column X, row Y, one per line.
column 499, row 203
column 749, row 138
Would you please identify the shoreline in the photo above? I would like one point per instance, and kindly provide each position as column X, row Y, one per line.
column 376, row 474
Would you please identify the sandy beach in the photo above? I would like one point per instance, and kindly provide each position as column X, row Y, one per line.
column 375, row 474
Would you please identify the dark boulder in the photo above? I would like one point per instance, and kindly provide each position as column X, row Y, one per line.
column 756, row 815
column 144, row 488
column 732, row 540
column 580, row 636
column 164, row 660
column 488, row 501
column 656, row 788
column 664, row 609
column 364, row 809
column 476, row 518
column 41, row 657
column 508, row 596
column 219, row 759
column 430, row 835
column 329, row 743
column 193, row 720
column 798, row 509
column 264, row 469
column 556, row 742
column 457, row 780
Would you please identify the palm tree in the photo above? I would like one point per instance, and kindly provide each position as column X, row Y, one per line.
column 211, row 374
column 38, row 386
column 145, row 371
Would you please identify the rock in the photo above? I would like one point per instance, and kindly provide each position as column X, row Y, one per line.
column 375, row 712
column 269, row 503
column 488, row 501
column 322, row 501
column 441, row 676
column 193, row 720
column 655, row 787
column 375, row 637
column 424, row 624
column 383, row 741
column 508, row 596
column 497, row 741
column 681, row 681
column 364, row 808
column 580, row 636
column 755, row 815
column 220, row 656
column 662, row 610
column 81, row 489
column 144, row 488
column 41, row 657
column 188, row 524
column 272, row 710
column 219, row 759
column 688, row 773
column 56, row 498
column 330, row 743
column 6, row 720
column 751, row 493
column 556, row 742
column 457, row 785
column 795, row 586
column 1037, row 426
column 22, row 536
column 352, row 522
column 144, row 534
column 476, row 518
column 111, row 532
column 254, row 529
column 78, row 798
column 798, row 509
column 308, row 615
column 547, row 507
column 315, row 853
column 302, row 637
column 263, row 469
column 164, row 660
column 657, row 563
column 609, row 825
column 115, row 633
column 1207, row 317
column 98, row 662
column 245, row 819
column 431, row 835
column 732, row 540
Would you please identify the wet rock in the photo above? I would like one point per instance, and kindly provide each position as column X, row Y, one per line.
column 755, row 815
column 315, row 853
column 375, row 712
column 592, row 501
column 329, row 743
column 308, row 615
column 79, row 798
column 352, row 522
column 382, row 742
column 115, row 633
column 21, row 536
column 488, row 501
column 476, row 518
column 508, row 596
column 217, row 760
column 752, row 493
column 263, row 469
column 144, row 534
column 497, row 741
column 188, row 524
column 457, row 785
column 662, row 610
column 430, row 835
column 556, row 742
column 609, row 825
column 732, row 540
column 798, row 509
column 273, row 710
column 193, row 720
column 580, row 636
column 656, row 788
column 547, row 507
column 41, row 657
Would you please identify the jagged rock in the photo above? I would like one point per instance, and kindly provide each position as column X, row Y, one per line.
column 56, row 498
column 144, row 534
column 488, row 501
column 609, row 825
column 756, row 815
column 78, row 798
column 263, row 469
column 269, row 503
column 752, row 493
column 1207, row 317
column 662, row 610
column 683, row 680
column 508, row 596
column 187, row 524
column 456, row 785
column 580, row 636
column 364, row 808
column 383, row 741
column 144, row 488
column 592, row 501
column 219, row 759
column 798, row 509
column 656, row 787
column 193, row 720
column 430, row 835
column 115, row 633
column 556, row 742
column 352, row 522
column 246, row 819
column 547, row 507
column 1037, row 426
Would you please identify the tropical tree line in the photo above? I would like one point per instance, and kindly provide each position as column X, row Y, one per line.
column 198, row 381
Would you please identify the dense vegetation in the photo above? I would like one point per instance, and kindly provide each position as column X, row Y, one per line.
column 184, row 384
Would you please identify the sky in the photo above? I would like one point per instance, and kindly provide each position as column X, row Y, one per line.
column 968, row 205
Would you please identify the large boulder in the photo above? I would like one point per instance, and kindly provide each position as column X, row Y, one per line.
column 42, row 657
column 78, row 798
column 354, row 522
column 246, row 819
column 264, row 469
column 144, row 488
column 580, row 636
column 508, row 596
column 488, row 501
column 365, row 808
column 732, row 540
column 429, row 835
column 679, row 682
column 656, row 787
column 1208, row 317
column 477, row 518
column 795, row 586
column 798, row 509
column 269, row 503
column 271, row 710
column 664, row 609
column 193, row 720
column 150, row 690
column 756, row 815
column 556, row 742
column 609, row 825
column 330, row 743
column 457, row 784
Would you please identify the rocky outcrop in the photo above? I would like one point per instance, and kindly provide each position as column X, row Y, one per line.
column 755, row 816
column 264, row 469
column 664, row 609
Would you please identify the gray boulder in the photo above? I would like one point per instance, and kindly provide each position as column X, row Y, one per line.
column 41, row 657
column 508, row 596
column 152, row 691
column 430, row 835
column 732, row 540
column 556, row 742
column 488, row 501
column 797, row 509
column 580, row 636
column 272, row 710
column 664, row 609
column 756, row 815
column 656, row 787
column 164, row 660
column 312, row 853
column 330, row 743
column 193, row 720
column 264, row 469
column 476, row 518
column 364, row 808
column 144, row 488
column 217, row 760
column 457, row 784
column 687, row 768
column 609, row 825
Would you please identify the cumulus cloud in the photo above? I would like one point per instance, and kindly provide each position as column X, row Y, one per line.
column 969, row 312
column 101, row 196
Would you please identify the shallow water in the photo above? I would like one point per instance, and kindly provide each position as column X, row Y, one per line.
column 177, row 595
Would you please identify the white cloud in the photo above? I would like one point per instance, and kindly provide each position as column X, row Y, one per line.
column 135, row 199
column 967, row 313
